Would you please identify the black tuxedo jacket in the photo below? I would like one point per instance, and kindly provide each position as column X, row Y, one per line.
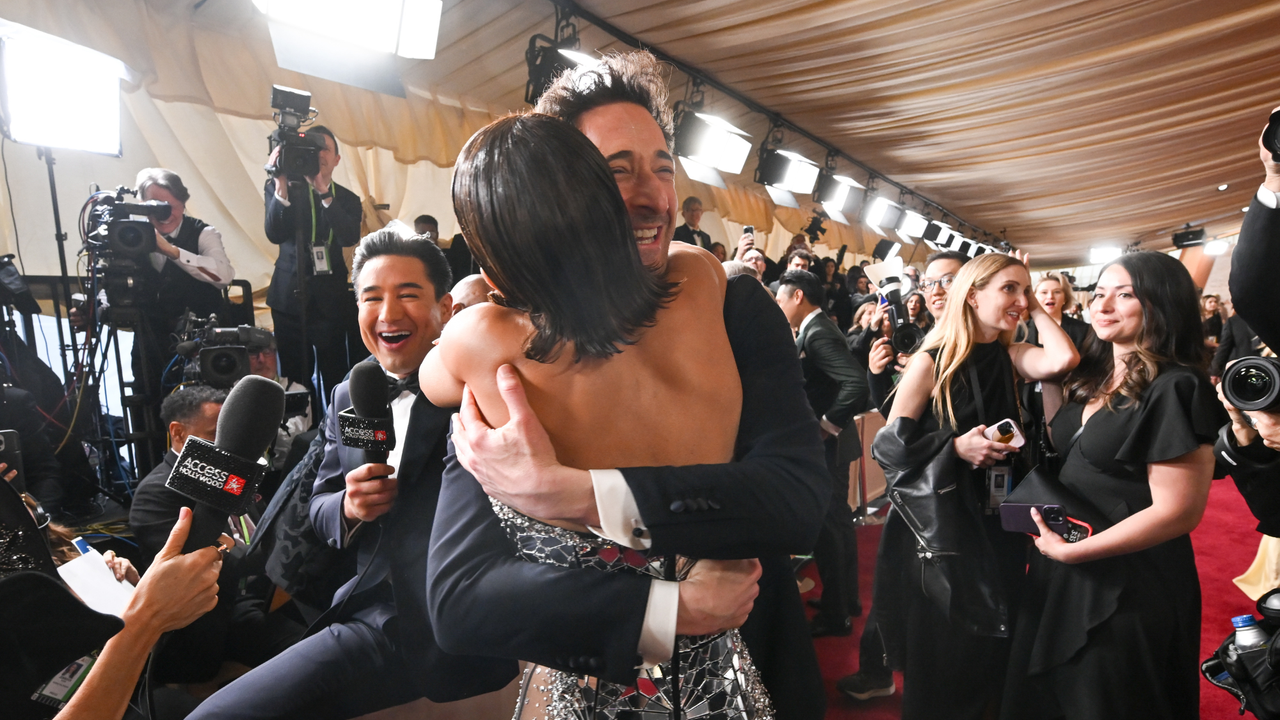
column 768, row 503
column 326, row 294
column 834, row 381
column 1254, row 290
column 686, row 234
column 388, row 590
column 1237, row 341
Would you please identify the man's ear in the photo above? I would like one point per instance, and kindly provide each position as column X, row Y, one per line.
column 446, row 307
column 177, row 435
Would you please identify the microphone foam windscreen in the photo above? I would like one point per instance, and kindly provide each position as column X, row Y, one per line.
column 370, row 392
column 250, row 417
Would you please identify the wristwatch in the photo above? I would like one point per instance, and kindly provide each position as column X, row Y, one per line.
column 327, row 193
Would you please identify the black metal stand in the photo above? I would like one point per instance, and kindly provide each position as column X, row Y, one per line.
column 61, row 238
column 302, row 259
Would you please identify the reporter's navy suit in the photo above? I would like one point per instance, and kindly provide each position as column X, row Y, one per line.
column 375, row 646
column 768, row 503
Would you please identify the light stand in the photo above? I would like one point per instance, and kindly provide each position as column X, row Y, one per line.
column 61, row 237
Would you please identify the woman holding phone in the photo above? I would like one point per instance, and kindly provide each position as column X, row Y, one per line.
column 945, row 587
column 1110, row 626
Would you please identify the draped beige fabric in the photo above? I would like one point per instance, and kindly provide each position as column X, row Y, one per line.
column 1069, row 122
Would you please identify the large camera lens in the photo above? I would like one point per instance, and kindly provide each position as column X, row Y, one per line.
column 1253, row 384
column 907, row 338
column 222, row 367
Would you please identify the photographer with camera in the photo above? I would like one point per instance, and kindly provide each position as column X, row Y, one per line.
column 187, row 272
column 314, row 333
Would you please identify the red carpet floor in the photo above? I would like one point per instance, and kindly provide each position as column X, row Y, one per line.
column 1225, row 544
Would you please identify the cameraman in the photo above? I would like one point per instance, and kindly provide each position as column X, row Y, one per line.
column 1247, row 448
column 331, row 216
column 190, row 270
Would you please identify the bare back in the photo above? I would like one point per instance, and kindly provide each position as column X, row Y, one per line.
column 672, row 398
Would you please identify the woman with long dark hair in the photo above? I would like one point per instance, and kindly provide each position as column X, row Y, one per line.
column 947, row 576
column 624, row 366
column 1111, row 623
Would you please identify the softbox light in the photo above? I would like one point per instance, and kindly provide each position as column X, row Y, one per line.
column 711, row 141
column 49, row 86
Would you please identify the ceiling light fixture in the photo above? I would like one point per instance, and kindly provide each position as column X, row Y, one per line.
column 711, row 141
column 912, row 226
column 1222, row 187
column 881, row 213
column 408, row 28
column 839, row 195
column 1103, row 255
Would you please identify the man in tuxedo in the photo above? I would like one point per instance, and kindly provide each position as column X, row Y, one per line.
column 689, row 232
column 768, row 503
column 330, row 216
column 375, row 647
column 835, row 383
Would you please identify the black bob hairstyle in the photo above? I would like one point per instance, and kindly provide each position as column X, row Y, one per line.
column 542, row 215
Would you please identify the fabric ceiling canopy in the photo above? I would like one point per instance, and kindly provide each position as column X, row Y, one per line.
column 1068, row 123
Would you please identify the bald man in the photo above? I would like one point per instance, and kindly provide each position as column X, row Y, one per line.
column 470, row 290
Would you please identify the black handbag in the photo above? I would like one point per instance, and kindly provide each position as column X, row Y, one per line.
column 1041, row 487
column 1251, row 676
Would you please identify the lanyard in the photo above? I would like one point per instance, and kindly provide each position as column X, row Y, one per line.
column 311, row 196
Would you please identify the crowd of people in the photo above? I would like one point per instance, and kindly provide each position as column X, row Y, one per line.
column 611, row 447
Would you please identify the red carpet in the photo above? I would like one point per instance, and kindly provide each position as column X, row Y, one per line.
column 1225, row 544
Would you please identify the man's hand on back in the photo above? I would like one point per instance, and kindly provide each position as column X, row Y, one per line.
column 717, row 595
column 516, row 463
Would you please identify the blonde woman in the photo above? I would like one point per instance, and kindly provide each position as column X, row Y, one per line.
column 948, row 575
column 1053, row 290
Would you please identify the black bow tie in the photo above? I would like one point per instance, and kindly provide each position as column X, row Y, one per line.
column 399, row 385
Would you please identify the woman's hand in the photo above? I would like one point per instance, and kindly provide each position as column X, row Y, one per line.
column 6, row 473
column 978, row 451
column 123, row 569
column 881, row 356
column 178, row 588
column 1051, row 544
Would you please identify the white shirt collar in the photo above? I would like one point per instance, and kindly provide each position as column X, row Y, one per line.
column 807, row 319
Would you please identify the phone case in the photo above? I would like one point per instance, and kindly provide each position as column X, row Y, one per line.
column 1016, row 517
column 1005, row 431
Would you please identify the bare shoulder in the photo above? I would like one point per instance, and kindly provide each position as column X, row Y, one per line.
column 695, row 269
column 482, row 333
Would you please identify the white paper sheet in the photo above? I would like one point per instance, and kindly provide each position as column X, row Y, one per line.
column 91, row 579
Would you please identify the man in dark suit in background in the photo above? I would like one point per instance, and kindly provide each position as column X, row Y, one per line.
column 768, row 504
column 330, row 216
column 689, row 232
column 835, row 383
column 375, row 647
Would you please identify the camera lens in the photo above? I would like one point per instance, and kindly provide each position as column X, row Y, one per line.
column 907, row 338
column 130, row 238
column 1053, row 514
column 1253, row 384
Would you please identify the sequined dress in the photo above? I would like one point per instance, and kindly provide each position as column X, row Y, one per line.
column 718, row 679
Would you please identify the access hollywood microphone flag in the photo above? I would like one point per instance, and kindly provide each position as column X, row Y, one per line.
column 367, row 424
column 223, row 476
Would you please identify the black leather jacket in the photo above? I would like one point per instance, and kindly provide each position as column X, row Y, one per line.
column 936, row 535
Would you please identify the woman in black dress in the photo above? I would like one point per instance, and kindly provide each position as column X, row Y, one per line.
column 1111, row 624
column 944, row 590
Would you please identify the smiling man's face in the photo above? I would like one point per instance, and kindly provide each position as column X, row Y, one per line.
column 399, row 315
column 633, row 144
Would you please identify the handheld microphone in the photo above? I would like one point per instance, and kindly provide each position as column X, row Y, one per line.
column 222, row 477
column 367, row 424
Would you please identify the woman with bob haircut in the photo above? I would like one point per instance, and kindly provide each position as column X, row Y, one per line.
column 1110, row 626
column 624, row 366
column 945, row 588
column 1054, row 292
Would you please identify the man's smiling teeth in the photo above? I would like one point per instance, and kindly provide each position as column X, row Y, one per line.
column 393, row 337
column 646, row 235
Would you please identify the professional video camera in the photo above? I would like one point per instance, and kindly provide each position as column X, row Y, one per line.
column 1253, row 384
column 118, row 238
column 887, row 276
column 299, row 152
column 814, row 229
column 217, row 356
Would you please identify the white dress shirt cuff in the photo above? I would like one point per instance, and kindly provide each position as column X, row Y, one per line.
column 829, row 426
column 620, row 519
column 283, row 200
column 1268, row 198
column 658, row 634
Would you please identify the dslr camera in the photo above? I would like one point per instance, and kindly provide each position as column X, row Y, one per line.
column 299, row 152
column 217, row 356
column 887, row 276
column 118, row 237
column 1253, row 383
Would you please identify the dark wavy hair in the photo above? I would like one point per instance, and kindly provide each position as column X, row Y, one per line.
column 634, row 77
column 543, row 217
column 1170, row 335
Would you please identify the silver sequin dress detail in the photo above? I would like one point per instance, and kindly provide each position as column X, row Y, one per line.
column 718, row 679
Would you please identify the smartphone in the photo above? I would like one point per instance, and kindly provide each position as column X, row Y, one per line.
column 749, row 230
column 1016, row 517
column 11, row 455
column 1006, row 431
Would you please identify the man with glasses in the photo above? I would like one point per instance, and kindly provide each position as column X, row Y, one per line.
column 874, row 678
